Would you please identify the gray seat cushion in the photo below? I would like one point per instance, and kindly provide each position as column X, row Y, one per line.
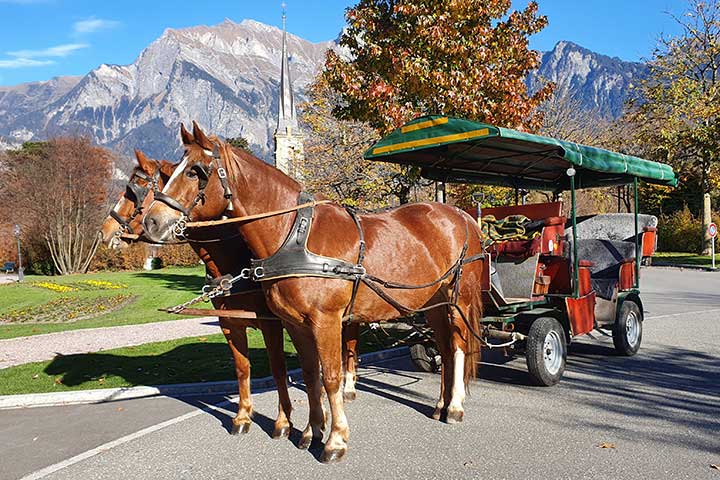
column 607, row 256
column 611, row 226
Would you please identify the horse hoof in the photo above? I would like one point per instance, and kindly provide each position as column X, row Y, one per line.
column 349, row 396
column 241, row 428
column 454, row 416
column 332, row 456
column 282, row 432
column 437, row 414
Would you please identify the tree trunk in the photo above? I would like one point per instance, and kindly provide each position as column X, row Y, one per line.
column 706, row 219
column 706, row 207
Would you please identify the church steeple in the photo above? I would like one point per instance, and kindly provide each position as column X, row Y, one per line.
column 288, row 138
column 286, row 107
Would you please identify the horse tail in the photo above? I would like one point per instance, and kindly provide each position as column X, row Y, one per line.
column 474, row 316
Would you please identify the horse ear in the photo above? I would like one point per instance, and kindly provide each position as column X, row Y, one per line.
column 201, row 139
column 147, row 165
column 167, row 169
column 186, row 136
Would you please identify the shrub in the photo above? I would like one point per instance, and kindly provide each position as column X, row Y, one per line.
column 133, row 257
column 680, row 231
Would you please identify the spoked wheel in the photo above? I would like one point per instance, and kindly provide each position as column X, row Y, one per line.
column 546, row 351
column 425, row 358
column 627, row 331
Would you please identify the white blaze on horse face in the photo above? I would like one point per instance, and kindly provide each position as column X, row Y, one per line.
column 178, row 171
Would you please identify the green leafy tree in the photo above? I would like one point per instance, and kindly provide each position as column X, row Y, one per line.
column 677, row 117
column 239, row 142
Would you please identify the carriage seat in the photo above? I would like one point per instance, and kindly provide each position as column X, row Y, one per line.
column 605, row 259
column 618, row 227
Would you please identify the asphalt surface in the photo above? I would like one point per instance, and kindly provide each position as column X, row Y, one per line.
column 658, row 412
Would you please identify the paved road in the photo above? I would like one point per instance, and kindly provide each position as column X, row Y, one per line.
column 36, row 348
column 659, row 410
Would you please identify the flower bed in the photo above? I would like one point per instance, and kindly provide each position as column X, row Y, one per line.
column 67, row 309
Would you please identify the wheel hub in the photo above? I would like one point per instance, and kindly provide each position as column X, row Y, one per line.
column 632, row 328
column 552, row 352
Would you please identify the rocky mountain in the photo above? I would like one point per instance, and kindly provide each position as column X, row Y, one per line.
column 226, row 77
column 598, row 82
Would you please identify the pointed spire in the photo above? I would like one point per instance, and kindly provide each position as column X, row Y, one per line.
column 286, row 107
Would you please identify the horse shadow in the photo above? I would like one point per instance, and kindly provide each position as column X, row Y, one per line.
column 175, row 281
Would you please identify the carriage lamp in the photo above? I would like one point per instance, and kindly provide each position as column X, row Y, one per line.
column 21, row 274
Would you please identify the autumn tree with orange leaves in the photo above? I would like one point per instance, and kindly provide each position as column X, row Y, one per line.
column 468, row 58
column 400, row 59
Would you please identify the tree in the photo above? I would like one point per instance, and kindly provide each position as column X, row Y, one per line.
column 57, row 191
column 467, row 58
column 677, row 115
column 334, row 164
column 239, row 142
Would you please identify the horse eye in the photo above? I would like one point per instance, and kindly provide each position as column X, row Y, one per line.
column 191, row 173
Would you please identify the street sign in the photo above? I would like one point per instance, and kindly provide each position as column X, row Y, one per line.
column 712, row 231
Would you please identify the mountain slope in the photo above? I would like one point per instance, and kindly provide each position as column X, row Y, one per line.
column 226, row 77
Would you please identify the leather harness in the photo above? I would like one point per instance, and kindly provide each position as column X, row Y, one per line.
column 139, row 193
column 293, row 259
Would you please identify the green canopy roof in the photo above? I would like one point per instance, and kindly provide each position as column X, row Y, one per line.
column 458, row 150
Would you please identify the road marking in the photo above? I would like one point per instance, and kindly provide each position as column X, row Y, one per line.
column 712, row 310
column 120, row 441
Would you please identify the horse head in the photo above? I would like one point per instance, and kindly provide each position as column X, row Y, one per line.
column 148, row 177
column 197, row 190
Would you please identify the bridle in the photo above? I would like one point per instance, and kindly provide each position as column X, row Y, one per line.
column 139, row 193
column 203, row 173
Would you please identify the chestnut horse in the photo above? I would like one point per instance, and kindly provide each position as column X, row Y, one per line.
column 222, row 258
column 415, row 244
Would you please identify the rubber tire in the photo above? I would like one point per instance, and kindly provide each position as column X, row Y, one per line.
column 424, row 358
column 619, row 333
column 535, row 343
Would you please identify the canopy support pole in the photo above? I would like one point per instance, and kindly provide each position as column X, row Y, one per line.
column 576, row 260
column 638, row 253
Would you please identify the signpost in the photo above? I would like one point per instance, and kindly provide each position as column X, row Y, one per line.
column 712, row 231
column 21, row 274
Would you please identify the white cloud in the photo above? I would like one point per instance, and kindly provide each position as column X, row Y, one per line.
column 93, row 24
column 24, row 62
column 57, row 51
column 25, row 2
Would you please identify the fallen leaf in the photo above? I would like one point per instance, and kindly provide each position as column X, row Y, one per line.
column 606, row 445
column 715, row 466
column 101, row 380
column 202, row 339
column 35, row 438
column 120, row 409
column 36, row 376
column 58, row 381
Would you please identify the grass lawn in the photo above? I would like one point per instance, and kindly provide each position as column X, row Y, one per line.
column 185, row 360
column 685, row 259
column 139, row 295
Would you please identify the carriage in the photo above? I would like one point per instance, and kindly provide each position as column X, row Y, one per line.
column 549, row 276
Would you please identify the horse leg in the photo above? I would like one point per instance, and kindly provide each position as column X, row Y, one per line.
column 351, row 332
column 437, row 318
column 236, row 337
column 272, row 331
column 307, row 353
column 328, row 337
column 465, row 349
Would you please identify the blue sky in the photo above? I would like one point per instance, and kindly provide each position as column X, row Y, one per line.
column 45, row 38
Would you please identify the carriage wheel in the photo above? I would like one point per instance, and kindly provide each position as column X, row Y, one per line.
column 425, row 358
column 627, row 331
column 546, row 351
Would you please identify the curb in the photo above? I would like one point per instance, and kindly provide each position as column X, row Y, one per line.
column 682, row 266
column 54, row 399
